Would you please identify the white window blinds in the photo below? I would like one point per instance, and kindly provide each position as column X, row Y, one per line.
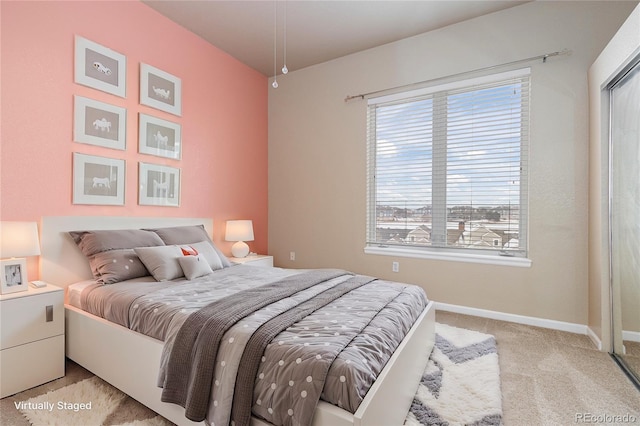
column 447, row 166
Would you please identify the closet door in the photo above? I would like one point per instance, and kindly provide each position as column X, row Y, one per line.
column 625, row 216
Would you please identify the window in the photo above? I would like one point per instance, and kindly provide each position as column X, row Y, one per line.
column 447, row 168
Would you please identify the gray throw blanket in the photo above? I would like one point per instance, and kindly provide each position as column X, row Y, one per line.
column 251, row 357
column 192, row 360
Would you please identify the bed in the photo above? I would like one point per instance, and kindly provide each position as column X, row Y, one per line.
column 135, row 367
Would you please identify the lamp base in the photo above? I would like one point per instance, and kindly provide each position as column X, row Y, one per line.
column 240, row 249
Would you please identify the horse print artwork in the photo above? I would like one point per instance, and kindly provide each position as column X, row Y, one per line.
column 98, row 180
column 160, row 90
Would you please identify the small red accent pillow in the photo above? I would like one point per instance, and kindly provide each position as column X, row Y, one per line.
column 189, row 251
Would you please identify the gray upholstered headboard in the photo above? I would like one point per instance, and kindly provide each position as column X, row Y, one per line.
column 62, row 263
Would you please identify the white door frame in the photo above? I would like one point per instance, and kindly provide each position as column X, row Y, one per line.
column 623, row 48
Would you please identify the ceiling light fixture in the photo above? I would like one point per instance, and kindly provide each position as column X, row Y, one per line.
column 284, row 49
column 275, row 47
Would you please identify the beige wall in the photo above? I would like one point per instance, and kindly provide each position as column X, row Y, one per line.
column 317, row 150
column 618, row 52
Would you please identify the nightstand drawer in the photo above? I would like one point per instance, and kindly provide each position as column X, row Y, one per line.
column 23, row 367
column 31, row 318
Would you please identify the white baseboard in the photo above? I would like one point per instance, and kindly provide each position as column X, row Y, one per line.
column 594, row 338
column 519, row 319
column 632, row 336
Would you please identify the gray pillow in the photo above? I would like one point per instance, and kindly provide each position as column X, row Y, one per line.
column 110, row 251
column 117, row 265
column 195, row 266
column 93, row 242
column 161, row 261
column 181, row 235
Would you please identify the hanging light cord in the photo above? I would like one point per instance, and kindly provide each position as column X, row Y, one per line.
column 275, row 44
column 284, row 68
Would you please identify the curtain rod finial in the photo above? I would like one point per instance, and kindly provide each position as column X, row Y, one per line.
column 352, row 97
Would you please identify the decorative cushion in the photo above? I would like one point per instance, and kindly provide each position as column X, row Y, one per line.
column 181, row 235
column 161, row 261
column 107, row 252
column 195, row 266
column 117, row 265
column 188, row 251
column 207, row 250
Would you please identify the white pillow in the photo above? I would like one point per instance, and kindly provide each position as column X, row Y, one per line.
column 161, row 261
column 195, row 266
column 206, row 249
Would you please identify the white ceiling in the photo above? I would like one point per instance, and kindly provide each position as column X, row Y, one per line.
column 317, row 31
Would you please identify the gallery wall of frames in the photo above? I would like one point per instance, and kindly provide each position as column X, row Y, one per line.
column 100, row 180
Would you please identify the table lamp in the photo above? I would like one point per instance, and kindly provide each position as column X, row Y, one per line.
column 239, row 231
column 17, row 241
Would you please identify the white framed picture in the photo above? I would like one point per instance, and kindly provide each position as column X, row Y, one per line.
column 158, row 185
column 159, row 137
column 13, row 276
column 97, row 123
column 160, row 90
column 99, row 67
column 98, row 180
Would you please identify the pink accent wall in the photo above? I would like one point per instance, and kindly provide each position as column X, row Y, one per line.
column 224, row 115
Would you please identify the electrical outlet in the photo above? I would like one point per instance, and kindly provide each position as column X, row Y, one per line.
column 292, row 255
column 395, row 267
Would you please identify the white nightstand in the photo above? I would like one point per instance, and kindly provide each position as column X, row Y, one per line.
column 254, row 260
column 31, row 338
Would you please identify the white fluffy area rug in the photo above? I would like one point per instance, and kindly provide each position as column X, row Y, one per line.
column 461, row 384
column 85, row 403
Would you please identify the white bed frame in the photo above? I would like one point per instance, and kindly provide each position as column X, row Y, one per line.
column 131, row 361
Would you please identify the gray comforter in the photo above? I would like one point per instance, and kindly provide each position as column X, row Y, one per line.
column 333, row 351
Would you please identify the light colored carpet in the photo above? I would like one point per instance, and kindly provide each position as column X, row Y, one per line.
column 552, row 377
column 632, row 357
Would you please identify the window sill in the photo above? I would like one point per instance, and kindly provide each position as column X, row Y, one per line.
column 449, row 256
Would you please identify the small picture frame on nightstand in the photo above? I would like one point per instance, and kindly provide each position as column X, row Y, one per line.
column 13, row 276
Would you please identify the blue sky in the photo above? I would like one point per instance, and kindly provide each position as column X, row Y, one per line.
column 482, row 168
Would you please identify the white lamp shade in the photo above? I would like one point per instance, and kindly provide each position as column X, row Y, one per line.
column 239, row 230
column 19, row 239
